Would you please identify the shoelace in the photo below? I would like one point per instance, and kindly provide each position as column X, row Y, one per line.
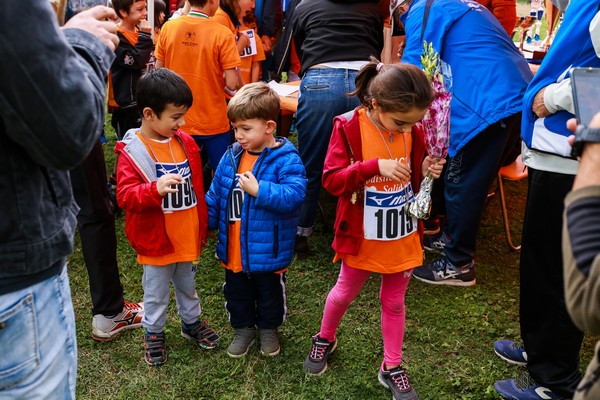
column 524, row 381
column 317, row 352
column 400, row 379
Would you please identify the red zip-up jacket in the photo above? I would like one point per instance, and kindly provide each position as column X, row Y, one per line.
column 139, row 197
column 345, row 173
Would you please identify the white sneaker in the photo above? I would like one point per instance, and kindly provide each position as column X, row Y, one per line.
column 104, row 328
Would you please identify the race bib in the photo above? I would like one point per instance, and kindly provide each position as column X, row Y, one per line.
column 386, row 216
column 185, row 197
column 237, row 200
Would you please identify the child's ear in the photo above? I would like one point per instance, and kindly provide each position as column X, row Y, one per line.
column 147, row 113
column 271, row 126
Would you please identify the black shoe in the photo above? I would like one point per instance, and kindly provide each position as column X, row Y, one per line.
column 301, row 246
column 316, row 360
column 200, row 333
column 396, row 380
column 443, row 272
column 155, row 348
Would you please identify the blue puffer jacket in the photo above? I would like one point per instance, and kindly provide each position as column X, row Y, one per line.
column 269, row 220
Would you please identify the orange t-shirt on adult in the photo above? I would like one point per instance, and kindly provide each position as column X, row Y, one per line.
column 399, row 249
column 200, row 50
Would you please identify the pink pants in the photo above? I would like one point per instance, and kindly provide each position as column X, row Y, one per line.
column 391, row 295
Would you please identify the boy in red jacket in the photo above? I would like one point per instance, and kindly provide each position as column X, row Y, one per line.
column 159, row 185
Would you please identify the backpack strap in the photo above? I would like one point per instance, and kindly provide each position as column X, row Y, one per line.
column 425, row 18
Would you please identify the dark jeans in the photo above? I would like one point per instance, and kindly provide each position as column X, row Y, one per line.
column 551, row 340
column 96, row 222
column 255, row 299
column 322, row 97
column 467, row 180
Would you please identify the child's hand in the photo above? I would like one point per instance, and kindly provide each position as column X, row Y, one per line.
column 144, row 26
column 248, row 183
column 166, row 184
column 243, row 41
column 393, row 169
column 433, row 166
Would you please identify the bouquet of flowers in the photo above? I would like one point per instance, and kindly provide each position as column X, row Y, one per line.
column 436, row 124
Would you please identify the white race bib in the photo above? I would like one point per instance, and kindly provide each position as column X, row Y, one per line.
column 185, row 197
column 237, row 200
column 386, row 216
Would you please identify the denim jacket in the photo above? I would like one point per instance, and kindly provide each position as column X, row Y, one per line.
column 52, row 97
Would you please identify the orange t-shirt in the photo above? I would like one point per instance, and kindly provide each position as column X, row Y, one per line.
column 181, row 208
column 246, row 66
column 200, row 50
column 234, row 251
column 391, row 243
column 132, row 37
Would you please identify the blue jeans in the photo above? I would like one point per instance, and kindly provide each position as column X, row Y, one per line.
column 322, row 97
column 39, row 348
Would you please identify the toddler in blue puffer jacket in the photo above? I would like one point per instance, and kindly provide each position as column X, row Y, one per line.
column 254, row 202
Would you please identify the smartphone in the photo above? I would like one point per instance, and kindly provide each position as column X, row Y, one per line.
column 585, row 83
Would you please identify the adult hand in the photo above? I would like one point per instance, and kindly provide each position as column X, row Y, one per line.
column 248, row 183
column 538, row 107
column 100, row 22
column 589, row 162
column 167, row 184
column 394, row 169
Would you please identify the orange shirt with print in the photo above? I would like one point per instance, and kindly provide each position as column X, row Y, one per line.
column 200, row 50
column 132, row 37
column 386, row 256
column 234, row 251
column 246, row 62
column 181, row 210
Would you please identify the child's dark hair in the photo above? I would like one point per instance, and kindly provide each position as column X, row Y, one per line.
column 395, row 88
column 122, row 5
column 160, row 87
column 254, row 100
column 159, row 6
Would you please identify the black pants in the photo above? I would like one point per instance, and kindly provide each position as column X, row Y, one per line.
column 255, row 299
column 551, row 340
column 96, row 222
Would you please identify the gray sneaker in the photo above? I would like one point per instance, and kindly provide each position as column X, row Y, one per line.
column 396, row 381
column 243, row 339
column 269, row 342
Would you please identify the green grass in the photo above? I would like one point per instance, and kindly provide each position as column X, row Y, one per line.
column 447, row 349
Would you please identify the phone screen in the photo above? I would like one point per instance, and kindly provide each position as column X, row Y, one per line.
column 586, row 93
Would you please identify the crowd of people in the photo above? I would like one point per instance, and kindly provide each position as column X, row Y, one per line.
column 198, row 151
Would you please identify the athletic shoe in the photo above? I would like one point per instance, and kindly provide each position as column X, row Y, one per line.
column 511, row 352
column 435, row 242
column 243, row 339
column 524, row 388
column 200, row 332
column 269, row 342
column 443, row 272
column 396, row 380
column 316, row 360
column 155, row 348
column 106, row 328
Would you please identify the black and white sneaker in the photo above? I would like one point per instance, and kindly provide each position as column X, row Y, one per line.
column 443, row 272
column 316, row 360
column 396, row 381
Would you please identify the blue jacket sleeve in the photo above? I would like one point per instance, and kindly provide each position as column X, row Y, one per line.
column 53, row 87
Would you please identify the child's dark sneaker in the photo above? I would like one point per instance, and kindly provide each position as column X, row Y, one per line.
column 155, row 348
column 396, row 380
column 511, row 352
column 201, row 333
column 316, row 360
column 243, row 339
column 269, row 342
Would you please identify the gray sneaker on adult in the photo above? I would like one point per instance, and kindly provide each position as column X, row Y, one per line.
column 397, row 382
column 269, row 342
column 243, row 339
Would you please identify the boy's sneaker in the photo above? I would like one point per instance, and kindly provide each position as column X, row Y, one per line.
column 155, row 348
column 201, row 333
column 269, row 342
column 435, row 242
column 524, row 388
column 243, row 339
column 316, row 360
column 396, row 380
column 107, row 328
column 443, row 272
column 511, row 352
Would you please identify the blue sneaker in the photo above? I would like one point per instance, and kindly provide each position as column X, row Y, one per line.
column 435, row 242
column 524, row 388
column 443, row 272
column 511, row 352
